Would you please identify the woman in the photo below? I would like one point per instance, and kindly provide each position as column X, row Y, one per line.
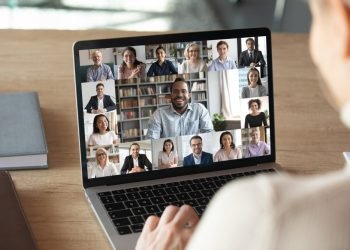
column 161, row 66
column 193, row 62
column 101, row 134
column 255, row 87
column 168, row 157
column 228, row 150
column 103, row 166
column 131, row 67
column 255, row 118
column 292, row 212
column 256, row 147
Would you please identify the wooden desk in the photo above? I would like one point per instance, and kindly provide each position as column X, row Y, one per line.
column 310, row 138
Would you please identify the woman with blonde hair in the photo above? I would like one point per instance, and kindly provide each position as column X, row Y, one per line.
column 103, row 167
column 193, row 62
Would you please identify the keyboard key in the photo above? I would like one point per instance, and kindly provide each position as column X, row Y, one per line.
column 146, row 194
column 121, row 222
column 192, row 203
column 184, row 188
column 106, row 199
column 159, row 192
column 157, row 200
column 137, row 228
column 131, row 204
column 139, row 211
column 187, row 182
column 146, row 188
column 120, row 214
column 207, row 193
column 170, row 198
column 203, row 201
column 104, row 194
column 115, row 206
column 137, row 219
column 195, row 194
column 159, row 186
column 120, row 197
column 172, row 190
column 124, row 230
column 144, row 202
column 209, row 185
column 132, row 190
column 118, row 192
column 196, row 186
column 133, row 196
column 152, row 209
column 183, row 196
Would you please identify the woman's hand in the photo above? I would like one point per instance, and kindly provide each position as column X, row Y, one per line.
column 172, row 231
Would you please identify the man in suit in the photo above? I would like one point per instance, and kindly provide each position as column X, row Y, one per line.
column 251, row 57
column 136, row 162
column 198, row 157
column 100, row 103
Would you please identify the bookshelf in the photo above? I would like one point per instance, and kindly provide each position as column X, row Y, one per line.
column 138, row 101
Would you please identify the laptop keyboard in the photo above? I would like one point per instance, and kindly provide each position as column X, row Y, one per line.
column 129, row 208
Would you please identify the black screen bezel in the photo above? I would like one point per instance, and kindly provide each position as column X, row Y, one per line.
column 161, row 39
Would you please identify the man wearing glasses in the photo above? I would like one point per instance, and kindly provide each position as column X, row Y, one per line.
column 198, row 156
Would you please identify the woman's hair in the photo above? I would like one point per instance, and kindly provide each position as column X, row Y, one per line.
column 172, row 144
column 254, row 100
column 160, row 47
column 257, row 71
column 227, row 133
column 96, row 130
column 101, row 150
column 132, row 50
column 221, row 43
column 188, row 46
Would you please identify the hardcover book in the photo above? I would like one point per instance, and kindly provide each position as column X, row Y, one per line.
column 22, row 135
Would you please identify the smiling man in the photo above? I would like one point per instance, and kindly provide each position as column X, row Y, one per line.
column 99, row 71
column 181, row 117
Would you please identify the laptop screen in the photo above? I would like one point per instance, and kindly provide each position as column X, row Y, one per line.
column 164, row 105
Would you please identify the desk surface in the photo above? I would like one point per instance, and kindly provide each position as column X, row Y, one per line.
column 310, row 138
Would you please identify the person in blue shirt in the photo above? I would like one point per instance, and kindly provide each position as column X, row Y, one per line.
column 99, row 71
column 198, row 156
column 161, row 66
column 223, row 62
column 181, row 117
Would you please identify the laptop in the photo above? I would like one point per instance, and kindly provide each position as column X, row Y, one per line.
column 169, row 119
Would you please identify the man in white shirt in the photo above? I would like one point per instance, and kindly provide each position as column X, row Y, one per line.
column 100, row 103
column 279, row 212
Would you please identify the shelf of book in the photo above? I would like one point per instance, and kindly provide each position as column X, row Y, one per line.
column 139, row 99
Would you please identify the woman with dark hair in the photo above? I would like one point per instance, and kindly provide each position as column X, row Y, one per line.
column 101, row 133
column 162, row 66
column 255, row 87
column 131, row 67
column 168, row 157
column 255, row 118
column 228, row 150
